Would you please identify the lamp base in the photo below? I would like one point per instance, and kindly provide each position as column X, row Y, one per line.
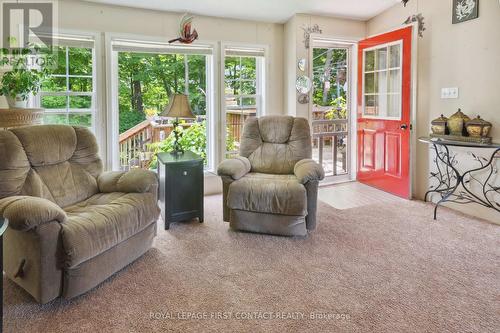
column 177, row 147
column 177, row 152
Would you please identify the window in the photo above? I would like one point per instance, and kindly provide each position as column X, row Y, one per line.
column 68, row 94
column 243, row 78
column 382, row 82
column 147, row 74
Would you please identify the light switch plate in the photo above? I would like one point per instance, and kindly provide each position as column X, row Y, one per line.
column 449, row 93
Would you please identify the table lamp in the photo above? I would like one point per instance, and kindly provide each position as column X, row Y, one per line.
column 178, row 107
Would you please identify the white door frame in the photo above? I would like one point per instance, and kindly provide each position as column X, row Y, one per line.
column 352, row 46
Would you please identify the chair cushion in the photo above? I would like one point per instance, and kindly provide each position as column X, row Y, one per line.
column 103, row 221
column 268, row 193
column 274, row 144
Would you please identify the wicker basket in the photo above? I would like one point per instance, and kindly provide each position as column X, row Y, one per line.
column 17, row 117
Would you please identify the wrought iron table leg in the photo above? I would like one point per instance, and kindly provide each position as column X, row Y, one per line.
column 445, row 198
column 450, row 190
column 453, row 176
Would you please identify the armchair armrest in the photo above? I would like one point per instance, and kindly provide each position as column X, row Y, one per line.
column 307, row 170
column 25, row 213
column 235, row 167
column 134, row 181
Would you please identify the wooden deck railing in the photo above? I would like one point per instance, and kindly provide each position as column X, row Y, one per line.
column 134, row 151
column 329, row 132
column 133, row 145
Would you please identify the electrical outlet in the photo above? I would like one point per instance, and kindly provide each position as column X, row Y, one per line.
column 449, row 93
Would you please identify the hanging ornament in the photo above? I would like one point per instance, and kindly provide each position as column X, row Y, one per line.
column 307, row 33
column 186, row 36
column 417, row 18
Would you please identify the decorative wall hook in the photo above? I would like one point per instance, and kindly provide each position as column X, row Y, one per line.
column 307, row 33
column 421, row 25
column 405, row 2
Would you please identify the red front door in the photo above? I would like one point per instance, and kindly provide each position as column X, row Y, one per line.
column 384, row 104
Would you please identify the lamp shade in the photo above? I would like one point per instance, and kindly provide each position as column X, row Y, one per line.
column 178, row 108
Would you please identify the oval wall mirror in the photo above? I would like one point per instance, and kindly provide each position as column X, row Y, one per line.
column 302, row 64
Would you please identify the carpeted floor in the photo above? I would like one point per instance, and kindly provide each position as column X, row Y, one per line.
column 381, row 268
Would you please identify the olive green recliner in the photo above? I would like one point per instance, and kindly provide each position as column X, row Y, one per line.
column 272, row 186
column 71, row 225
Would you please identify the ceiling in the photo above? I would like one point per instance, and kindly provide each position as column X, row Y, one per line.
column 278, row 11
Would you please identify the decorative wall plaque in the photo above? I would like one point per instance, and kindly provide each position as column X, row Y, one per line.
column 465, row 10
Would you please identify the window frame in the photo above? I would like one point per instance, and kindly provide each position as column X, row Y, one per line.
column 387, row 70
column 112, row 89
column 260, row 87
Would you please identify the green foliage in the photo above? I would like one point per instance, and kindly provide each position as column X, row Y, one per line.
column 24, row 78
column 339, row 110
column 243, row 68
column 328, row 65
column 129, row 119
column 20, row 82
column 193, row 138
column 71, row 119
column 147, row 80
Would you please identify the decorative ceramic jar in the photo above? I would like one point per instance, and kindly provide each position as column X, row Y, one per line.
column 438, row 125
column 478, row 127
column 456, row 123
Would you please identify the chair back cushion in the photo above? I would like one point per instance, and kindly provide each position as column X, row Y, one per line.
column 273, row 144
column 55, row 162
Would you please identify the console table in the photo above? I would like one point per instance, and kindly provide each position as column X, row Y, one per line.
column 454, row 185
column 3, row 226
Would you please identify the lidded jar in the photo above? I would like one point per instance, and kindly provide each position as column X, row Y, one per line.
column 438, row 125
column 478, row 127
column 456, row 123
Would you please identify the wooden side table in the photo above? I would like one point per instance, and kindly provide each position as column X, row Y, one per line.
column 3, row 226
column 181, row 187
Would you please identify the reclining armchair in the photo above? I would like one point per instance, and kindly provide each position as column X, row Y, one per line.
column 272, row 186
column 71, row 225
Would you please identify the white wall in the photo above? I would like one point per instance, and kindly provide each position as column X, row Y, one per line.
column 289, row 69
column 466, row 56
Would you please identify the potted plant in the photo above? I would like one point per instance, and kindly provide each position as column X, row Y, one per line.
column 22, row 80
column 19, row 80
column 18, row 84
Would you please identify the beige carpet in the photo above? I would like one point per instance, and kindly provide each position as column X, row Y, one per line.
column 382, row 268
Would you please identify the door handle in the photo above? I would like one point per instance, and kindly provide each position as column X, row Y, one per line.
column 404, row 127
